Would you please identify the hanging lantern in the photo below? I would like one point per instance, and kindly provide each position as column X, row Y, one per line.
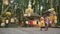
column 52, row 9
column 8, row 13
column 29, row 10
column 5, row 2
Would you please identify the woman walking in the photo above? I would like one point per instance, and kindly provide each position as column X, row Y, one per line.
column 41, row 22
column 46, row 22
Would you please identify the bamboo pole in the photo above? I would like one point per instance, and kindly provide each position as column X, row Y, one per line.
column 51, row 4
column 2, row 7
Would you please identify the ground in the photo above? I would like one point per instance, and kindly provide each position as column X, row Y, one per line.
column 31, row 30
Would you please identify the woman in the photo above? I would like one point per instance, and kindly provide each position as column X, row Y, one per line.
column 46, row 22
column 41, row 22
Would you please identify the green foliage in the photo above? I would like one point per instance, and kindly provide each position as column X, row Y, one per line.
column 58, row 23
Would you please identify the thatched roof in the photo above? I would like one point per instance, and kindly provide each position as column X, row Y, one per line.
column 35, row 15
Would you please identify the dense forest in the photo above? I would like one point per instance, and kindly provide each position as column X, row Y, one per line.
column 36, row 5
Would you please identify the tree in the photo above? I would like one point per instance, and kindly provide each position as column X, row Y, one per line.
column 0, row 6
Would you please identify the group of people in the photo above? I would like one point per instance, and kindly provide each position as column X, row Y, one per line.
column 44, row 21
column 6, row 22
column 48, row 21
